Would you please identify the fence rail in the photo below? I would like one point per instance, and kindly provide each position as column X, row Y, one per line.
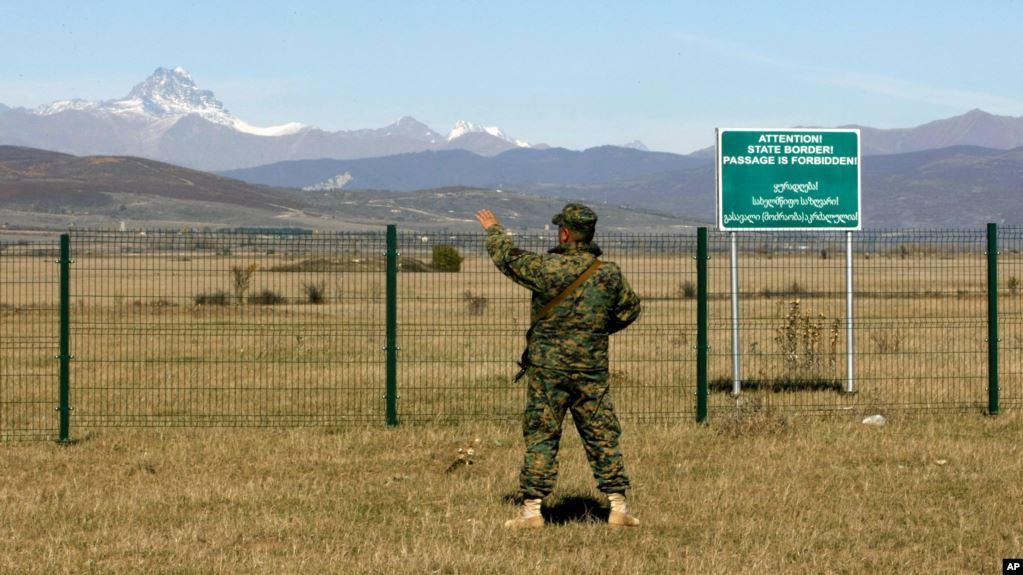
column 245, row 329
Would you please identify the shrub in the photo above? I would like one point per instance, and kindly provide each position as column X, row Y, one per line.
column 687, row 289
column 219, row 297
column 446, row 258
column 266, row 297
column 808, row 345
column 315, row 292
column 477, row 303
column 242, row 277
column 1013, row 285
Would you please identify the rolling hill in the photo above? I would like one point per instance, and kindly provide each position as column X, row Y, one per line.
column 42, row 189
column 50, row 180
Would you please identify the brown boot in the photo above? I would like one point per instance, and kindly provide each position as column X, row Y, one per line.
column 530, row 517
column 619, row 516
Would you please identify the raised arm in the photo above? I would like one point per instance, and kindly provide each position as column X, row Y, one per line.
column 523, row 267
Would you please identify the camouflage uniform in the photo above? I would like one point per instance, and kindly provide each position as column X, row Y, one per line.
column 568, row 352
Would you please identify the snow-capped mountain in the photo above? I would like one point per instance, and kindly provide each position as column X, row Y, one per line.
column 169, row 95
column 636, row 145
column 463, row 128
column 410, row 127
column 167, row 117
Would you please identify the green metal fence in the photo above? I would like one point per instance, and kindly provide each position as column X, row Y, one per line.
column 249, row 329
column 227, row 329
column 1010, row 316
column 919, row 330
column 29, row 337
column 461, row 333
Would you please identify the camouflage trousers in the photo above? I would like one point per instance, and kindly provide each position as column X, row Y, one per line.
column 550, row 395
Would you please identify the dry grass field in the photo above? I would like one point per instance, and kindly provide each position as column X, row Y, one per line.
column 764, row 487
column 755, row 493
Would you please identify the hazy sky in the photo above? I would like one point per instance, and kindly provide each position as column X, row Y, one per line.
column 575, row 74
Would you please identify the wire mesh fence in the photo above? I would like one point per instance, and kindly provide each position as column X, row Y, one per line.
column 28, row 337
column 232, row 329
column 461, row 333
column 919, row 321
column 1010, row 316
column 227, row 329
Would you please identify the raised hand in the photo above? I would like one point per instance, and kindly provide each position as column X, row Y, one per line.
column 486, row 218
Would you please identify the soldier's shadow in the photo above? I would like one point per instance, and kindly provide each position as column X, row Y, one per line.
column 573, row 508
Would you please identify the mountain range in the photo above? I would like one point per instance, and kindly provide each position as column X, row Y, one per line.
column 168, row 117
column 974, row 128
column 514, row 168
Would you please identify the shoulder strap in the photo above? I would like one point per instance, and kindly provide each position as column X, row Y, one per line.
column 549, row 306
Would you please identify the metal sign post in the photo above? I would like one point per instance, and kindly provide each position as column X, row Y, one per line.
column 850, row 385
column 736, row 360
column 788, row 180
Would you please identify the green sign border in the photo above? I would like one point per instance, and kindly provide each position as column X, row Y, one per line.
column 719, row 187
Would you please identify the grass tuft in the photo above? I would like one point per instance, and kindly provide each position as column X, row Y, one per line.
column 266, row 297
column 219, row 297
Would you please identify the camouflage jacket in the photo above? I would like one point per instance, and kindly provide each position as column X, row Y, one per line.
column 574, row 336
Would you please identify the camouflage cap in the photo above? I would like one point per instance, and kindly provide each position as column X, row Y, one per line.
column 576, row 217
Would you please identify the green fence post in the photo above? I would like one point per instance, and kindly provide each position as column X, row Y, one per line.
column 992, row 319
column 701, row 325
column 64, row 408
column 392, row 326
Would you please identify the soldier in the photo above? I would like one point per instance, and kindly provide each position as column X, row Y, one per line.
column 577, row 302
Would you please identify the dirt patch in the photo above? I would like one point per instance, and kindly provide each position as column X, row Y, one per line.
column 98, row 160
